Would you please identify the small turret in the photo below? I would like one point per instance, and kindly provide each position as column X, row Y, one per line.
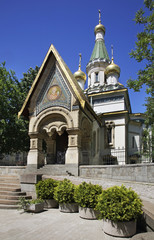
column 79, row 75
column 112, row 72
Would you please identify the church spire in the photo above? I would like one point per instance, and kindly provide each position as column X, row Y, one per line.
column 99, row 60
column 112, row 53
column 80, row 57
column 100, row 27
column 99, row 51
column 99, row 16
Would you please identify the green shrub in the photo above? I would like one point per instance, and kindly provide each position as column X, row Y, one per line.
column 64, row 192
column 86, row 194
column 23, row 202
column 119, row 204
column 45, row 188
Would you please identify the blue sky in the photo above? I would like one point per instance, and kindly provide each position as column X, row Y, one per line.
column 28, row 27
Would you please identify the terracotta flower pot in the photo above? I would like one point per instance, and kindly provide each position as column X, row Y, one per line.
column 68, row 207
column 88, row 213
column 119, row 229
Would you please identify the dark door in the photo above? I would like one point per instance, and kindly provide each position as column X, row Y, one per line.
column 61, row 147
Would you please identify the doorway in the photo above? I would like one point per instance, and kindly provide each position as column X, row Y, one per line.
column 61, row 147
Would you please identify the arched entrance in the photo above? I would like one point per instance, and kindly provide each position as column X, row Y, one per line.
column 57, row 144
column 56, row 128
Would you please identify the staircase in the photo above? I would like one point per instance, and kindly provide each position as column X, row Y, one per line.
column 10, row 192
column 59, row 169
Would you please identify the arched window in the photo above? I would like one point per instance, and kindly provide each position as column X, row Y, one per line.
column 109, row 134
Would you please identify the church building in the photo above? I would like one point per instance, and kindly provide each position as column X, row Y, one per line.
column 70, row 126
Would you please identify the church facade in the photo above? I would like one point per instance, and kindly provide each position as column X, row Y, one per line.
column 94, row 126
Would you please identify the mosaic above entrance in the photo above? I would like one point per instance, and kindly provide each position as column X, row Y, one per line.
column 54, row 92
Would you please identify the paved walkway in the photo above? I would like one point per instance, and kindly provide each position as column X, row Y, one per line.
column 49, row 225
column 54, row 225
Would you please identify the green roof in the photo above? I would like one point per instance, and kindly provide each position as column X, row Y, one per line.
column 99, row 51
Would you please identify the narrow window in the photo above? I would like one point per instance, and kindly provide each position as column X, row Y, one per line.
column 109, row 135
column 133, row 142
column 96, row 80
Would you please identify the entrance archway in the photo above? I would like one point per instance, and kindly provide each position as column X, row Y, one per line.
column 56, row 128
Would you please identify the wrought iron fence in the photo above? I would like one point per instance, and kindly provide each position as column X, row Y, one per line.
column 127, row 156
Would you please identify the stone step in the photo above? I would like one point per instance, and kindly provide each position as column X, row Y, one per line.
column 3, row 206
column 8, row 202
column 12, row 193
column 11, row 189
column 9, row 197
column 13, row 185
column 9, row 176
column 14, row 181
column 148, row 209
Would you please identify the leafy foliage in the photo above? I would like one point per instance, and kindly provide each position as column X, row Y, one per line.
column 119, row 204
column 24, row 203
column 13, row 131
column 64, row 192
column 45, row 188
column 144, row 52
column 86, row 194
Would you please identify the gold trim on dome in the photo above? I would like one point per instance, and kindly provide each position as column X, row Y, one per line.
column 80, row 74
column 112, row 68
column 99, row 27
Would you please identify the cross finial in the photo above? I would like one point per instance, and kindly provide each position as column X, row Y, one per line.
column 112, row 52
column 99, row 16
column 80, row 57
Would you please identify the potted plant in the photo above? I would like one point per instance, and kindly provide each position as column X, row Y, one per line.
column 86, row 195
column 119, row 208
column 34, row 205
column 45, row 190
column 64, row 194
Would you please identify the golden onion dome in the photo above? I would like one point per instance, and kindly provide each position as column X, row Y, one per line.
column 112, row 68
column 99, row 28
column 80, row 75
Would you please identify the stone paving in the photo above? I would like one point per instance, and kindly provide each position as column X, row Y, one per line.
column 54, row 225
column 49, row 225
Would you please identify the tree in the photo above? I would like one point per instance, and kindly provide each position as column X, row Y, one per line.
column 27, row 81
column 13, row 131
column 144, row 52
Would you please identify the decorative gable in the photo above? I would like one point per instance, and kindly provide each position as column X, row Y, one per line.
column 54, row 92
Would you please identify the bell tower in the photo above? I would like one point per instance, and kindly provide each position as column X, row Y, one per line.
column 98, row 62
